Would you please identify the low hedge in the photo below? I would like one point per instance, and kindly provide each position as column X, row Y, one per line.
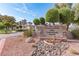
column 75, row 33
column 20, row 30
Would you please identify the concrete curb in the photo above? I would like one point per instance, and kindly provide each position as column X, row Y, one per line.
column 2, row 42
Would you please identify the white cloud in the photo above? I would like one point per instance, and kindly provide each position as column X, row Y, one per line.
column 28, row 11
column 19, row 18
column 3, row 12
column 25, row 10
column 25, row 7
column 20, row 10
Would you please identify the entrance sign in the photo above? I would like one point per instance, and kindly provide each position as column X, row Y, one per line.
column 49, row 31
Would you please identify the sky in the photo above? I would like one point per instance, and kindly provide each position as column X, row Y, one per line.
column 27, row 11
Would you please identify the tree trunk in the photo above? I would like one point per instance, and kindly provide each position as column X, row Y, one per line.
column 68, row 26
column 49, row 24
column 53, row 23
column 12, row 27
column 6, row 29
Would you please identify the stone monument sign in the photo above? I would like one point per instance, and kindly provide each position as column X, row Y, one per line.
column 49, row 31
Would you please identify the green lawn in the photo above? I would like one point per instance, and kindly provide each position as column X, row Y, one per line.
column 6, row 31
column 2, row 32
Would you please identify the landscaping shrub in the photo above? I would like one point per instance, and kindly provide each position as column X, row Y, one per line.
column 75, row 33
column 5, row 31
column 28, row 33
column 20, row 30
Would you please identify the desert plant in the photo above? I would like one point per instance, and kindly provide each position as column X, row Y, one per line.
column 28, row 32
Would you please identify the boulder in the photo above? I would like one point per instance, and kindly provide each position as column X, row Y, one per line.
column 30, row 40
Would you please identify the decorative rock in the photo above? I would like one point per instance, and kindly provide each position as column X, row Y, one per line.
column 30, row 40
column 44, row 49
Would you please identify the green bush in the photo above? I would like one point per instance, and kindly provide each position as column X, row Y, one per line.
column 20, row 30
column 75, row 33
column 5, row 31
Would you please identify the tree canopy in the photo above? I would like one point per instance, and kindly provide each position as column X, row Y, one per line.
column 36, row 21
column 10, row 20
column 42, row 20
column 2, row 26
column 52, row 15
column 65, row 15
column 7, row 21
